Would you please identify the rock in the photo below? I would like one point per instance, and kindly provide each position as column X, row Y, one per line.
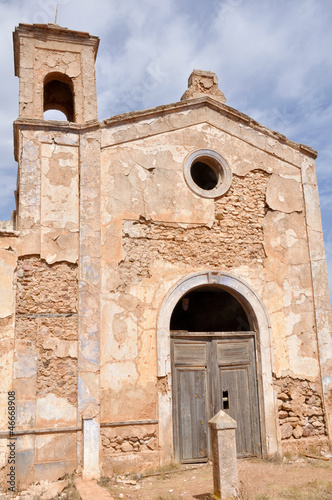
column 151, row 443
column 286, row 407
column 317, row 424
column 308, row 430
column 293, row 419
column 45, row 490
column 314, row 411
column 126, row 447
column 283, row 396
column 297, row 432
column 286, row 431
column 283, row 414
column 105, row 441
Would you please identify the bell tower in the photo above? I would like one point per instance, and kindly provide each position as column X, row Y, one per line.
column 56, row 71
column 58, row 216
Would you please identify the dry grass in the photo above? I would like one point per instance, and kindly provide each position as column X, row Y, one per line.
column 313, row 490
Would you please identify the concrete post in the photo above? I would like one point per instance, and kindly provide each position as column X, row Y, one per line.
column 223, row 444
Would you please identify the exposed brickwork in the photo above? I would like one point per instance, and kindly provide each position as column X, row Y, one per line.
column 300, row 409
column 46, row 316
column 235, row 238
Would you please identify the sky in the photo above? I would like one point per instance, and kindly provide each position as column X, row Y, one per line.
column 273, row 59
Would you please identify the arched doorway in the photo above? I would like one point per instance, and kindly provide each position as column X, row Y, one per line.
column 213, row 350
column 258, row 319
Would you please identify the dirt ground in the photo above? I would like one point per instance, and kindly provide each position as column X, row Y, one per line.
column 303, row 479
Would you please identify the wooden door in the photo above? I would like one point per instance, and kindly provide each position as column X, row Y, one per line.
column 235, row 377
column 190, row 399
column 213, row 372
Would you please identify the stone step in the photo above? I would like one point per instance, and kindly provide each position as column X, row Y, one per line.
column 90, row 490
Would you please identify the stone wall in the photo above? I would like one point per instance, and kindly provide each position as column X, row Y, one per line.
column 129, row 446
column 46, row 317
column 300, row 409
column 128, row 443
column 234, row 239
column 45, row 368
column 44, row 289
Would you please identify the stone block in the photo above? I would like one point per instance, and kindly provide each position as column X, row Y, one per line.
column 56, row 447
column 286, row 431
column 25, row 365
column 298, row 432
column 52, row 410
column 284, row 195
column 53, row 471
column 223, row 444
column 7, row 266
column 91, row 449
column 24, row 467
column 25, row 413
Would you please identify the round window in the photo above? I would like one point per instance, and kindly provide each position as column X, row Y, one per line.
column 207, row 173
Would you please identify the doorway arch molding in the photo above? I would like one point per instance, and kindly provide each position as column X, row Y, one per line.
column 260, row 323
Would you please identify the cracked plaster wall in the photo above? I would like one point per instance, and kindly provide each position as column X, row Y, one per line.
column 46, row 341
column 7, row 327
column 155, row 231
column 48, row 209
column 45, row 366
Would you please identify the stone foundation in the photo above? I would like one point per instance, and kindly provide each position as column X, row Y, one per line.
column 128, row 443
column 132, row 447
column 300, row 410
column 129, row 438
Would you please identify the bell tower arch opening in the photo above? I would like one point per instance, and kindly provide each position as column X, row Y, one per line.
column 59, row 94
column 56, row 68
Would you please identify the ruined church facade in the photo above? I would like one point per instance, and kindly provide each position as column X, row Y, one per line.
column 161, row 265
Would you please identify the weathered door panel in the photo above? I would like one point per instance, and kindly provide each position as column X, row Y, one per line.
column 190, row 400
column 210, row 374
column 234, row 387
column 192, row 414
column 237, row 393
